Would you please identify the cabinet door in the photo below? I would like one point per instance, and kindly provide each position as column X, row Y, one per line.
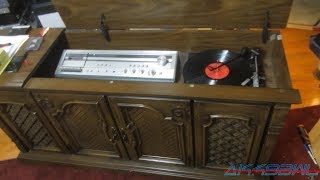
column 228, row 133
column 84, row 121
column 156, row 130
column 21, row 120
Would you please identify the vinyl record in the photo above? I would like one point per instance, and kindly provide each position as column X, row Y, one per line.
column 201, row 68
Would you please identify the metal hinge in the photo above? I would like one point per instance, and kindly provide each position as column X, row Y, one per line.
column 266, row 25
column 104, row 28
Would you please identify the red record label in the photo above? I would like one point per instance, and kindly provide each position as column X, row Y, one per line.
column 219, row 73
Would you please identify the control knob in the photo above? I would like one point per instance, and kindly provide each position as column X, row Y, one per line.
column 152, row 72
column 162, row 60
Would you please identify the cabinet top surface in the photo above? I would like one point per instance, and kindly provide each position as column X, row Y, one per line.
column 23, row 79
column 221, row 14
column 33, row 60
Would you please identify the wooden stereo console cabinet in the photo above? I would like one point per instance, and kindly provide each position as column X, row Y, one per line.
column 174, row 129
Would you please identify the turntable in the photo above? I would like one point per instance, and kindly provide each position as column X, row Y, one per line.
column 224, row 67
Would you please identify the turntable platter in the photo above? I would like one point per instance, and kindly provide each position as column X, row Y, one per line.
column 217, row 67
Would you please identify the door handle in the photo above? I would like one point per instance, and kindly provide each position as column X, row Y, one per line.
column 124, row 135
column 114, row 135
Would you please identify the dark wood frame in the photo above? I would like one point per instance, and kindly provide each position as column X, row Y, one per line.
column 37, row 78
column 277, row 96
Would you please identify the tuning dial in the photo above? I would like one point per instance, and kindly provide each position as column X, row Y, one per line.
column 162, row 60
column 153, row 72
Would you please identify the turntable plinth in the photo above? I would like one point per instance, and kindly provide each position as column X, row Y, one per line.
column 175, row 129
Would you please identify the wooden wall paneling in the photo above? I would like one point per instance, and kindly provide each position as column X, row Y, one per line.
column 155, row 129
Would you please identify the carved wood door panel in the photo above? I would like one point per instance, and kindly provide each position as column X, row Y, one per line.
column 228, row 133
column 85, row 121
column 156, row 129
column 25, row 125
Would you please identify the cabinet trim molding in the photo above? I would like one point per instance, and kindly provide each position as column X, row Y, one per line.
column 59, row 112
column 28, row 126
column 178, row 117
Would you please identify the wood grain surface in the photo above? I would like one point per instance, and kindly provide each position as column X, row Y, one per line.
column 160, row 128
column 302, row 62
column 236, row 93
column 8, row 149
column 83, row 121
column 123, row 14
column 180, row 40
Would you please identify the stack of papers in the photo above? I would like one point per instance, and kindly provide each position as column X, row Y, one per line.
column 4, row 7
column 9, row 45
column 15, row 41
column 4, row 60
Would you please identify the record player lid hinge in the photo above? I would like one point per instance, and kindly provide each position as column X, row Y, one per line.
column 104, row 28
